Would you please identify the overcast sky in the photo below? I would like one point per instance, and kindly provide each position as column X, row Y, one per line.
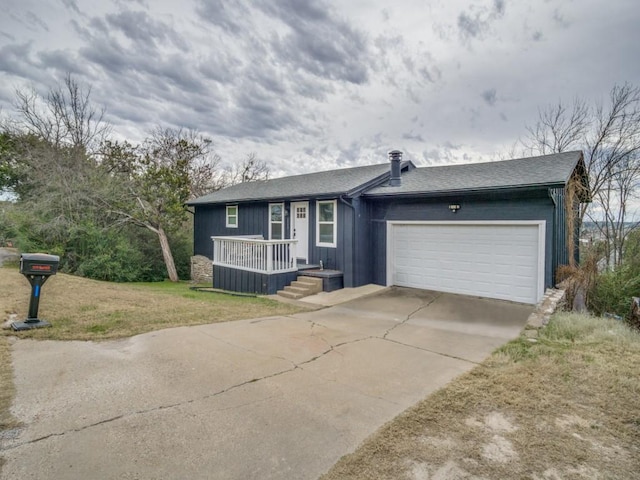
column 314, row 84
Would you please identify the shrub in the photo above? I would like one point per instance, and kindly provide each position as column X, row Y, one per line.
column 612, row 290
column 86, row 248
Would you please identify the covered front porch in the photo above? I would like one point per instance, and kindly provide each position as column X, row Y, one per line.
column 251, row 264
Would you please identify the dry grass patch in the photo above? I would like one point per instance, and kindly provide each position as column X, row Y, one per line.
column 83, row 309
column 565, row 407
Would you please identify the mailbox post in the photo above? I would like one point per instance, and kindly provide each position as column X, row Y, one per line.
column 37, row 267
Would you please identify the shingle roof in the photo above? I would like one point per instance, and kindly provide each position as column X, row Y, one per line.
column 553, row 169
column 332, row 182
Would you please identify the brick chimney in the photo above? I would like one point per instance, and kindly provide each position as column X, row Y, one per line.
column 395, row 157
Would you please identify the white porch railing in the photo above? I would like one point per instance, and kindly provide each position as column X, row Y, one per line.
column 255, row 254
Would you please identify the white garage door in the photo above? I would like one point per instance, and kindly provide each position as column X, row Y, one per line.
column 496, row 260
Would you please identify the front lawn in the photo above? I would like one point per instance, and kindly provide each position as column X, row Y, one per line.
column 83, row 309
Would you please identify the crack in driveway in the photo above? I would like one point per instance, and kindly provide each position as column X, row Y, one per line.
column 294, row 366
column 421, row 307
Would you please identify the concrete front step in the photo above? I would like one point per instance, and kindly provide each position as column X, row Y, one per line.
column 302, row 287
column 314, row 286
column 292, row 295
column 301, row 290
column 309, row 279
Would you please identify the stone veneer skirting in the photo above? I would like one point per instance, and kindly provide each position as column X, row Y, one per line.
column 201, row 269
column 541, row 315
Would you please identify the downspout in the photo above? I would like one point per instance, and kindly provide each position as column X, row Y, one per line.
column 554, row 243
column 353, row 236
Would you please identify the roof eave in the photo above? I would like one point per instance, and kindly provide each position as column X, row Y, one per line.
column 443, row 193
column 289, row 198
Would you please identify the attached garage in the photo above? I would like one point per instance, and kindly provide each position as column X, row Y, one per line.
column 499, row 259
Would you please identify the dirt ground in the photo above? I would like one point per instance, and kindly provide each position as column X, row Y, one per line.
column 565, row 407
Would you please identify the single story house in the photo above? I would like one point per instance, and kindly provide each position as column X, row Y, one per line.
column 497, row 229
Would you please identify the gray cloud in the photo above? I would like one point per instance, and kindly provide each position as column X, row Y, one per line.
column 477, row 21
column 232, row 17
column 29, row 20
column 72, row 5
column 469, row 27
column 408, row 63
column 489, row 96
column 432, row 75
column 35, row 19
column 220, row 66
column 319, row 42
column 63, row 61
column 13, row 58
column 413, row 136
column 143, row 31
column 386, row 43
column 560, row 19
column 452, row 146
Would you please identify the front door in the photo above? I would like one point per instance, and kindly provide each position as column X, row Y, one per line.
column 300, row 228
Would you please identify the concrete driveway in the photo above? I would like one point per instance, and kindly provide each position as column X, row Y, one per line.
column 272, row 398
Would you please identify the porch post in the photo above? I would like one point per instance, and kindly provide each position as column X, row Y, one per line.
column 269, row 257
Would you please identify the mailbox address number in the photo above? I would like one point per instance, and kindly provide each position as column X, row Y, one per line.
column 41, row 268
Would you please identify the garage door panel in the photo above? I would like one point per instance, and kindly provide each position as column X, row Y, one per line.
column 498, row 261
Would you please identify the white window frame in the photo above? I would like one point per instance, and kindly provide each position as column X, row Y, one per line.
column 334, row 223
column 281, row 222
column 227, row 216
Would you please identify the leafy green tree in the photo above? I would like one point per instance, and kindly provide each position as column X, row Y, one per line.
column 8, row 160
column 157, row 178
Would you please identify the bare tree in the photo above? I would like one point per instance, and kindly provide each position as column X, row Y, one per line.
column 609, row 135
column 251, row 169
column 559, row 128
column 613, row 198
column 65, row 117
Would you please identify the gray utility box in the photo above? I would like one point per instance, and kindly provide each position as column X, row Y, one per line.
column 37, row 267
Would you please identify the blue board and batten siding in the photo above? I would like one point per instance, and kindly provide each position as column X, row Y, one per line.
column 560, row 251
column 243, row 281
column 210, row 221
column 253, row 219
column 477, row 208
column 361, row 243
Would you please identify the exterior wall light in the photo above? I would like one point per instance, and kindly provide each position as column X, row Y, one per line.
column 454, row 207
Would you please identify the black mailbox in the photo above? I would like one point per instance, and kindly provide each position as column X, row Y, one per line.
column 39, row 264
column 37, row 267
